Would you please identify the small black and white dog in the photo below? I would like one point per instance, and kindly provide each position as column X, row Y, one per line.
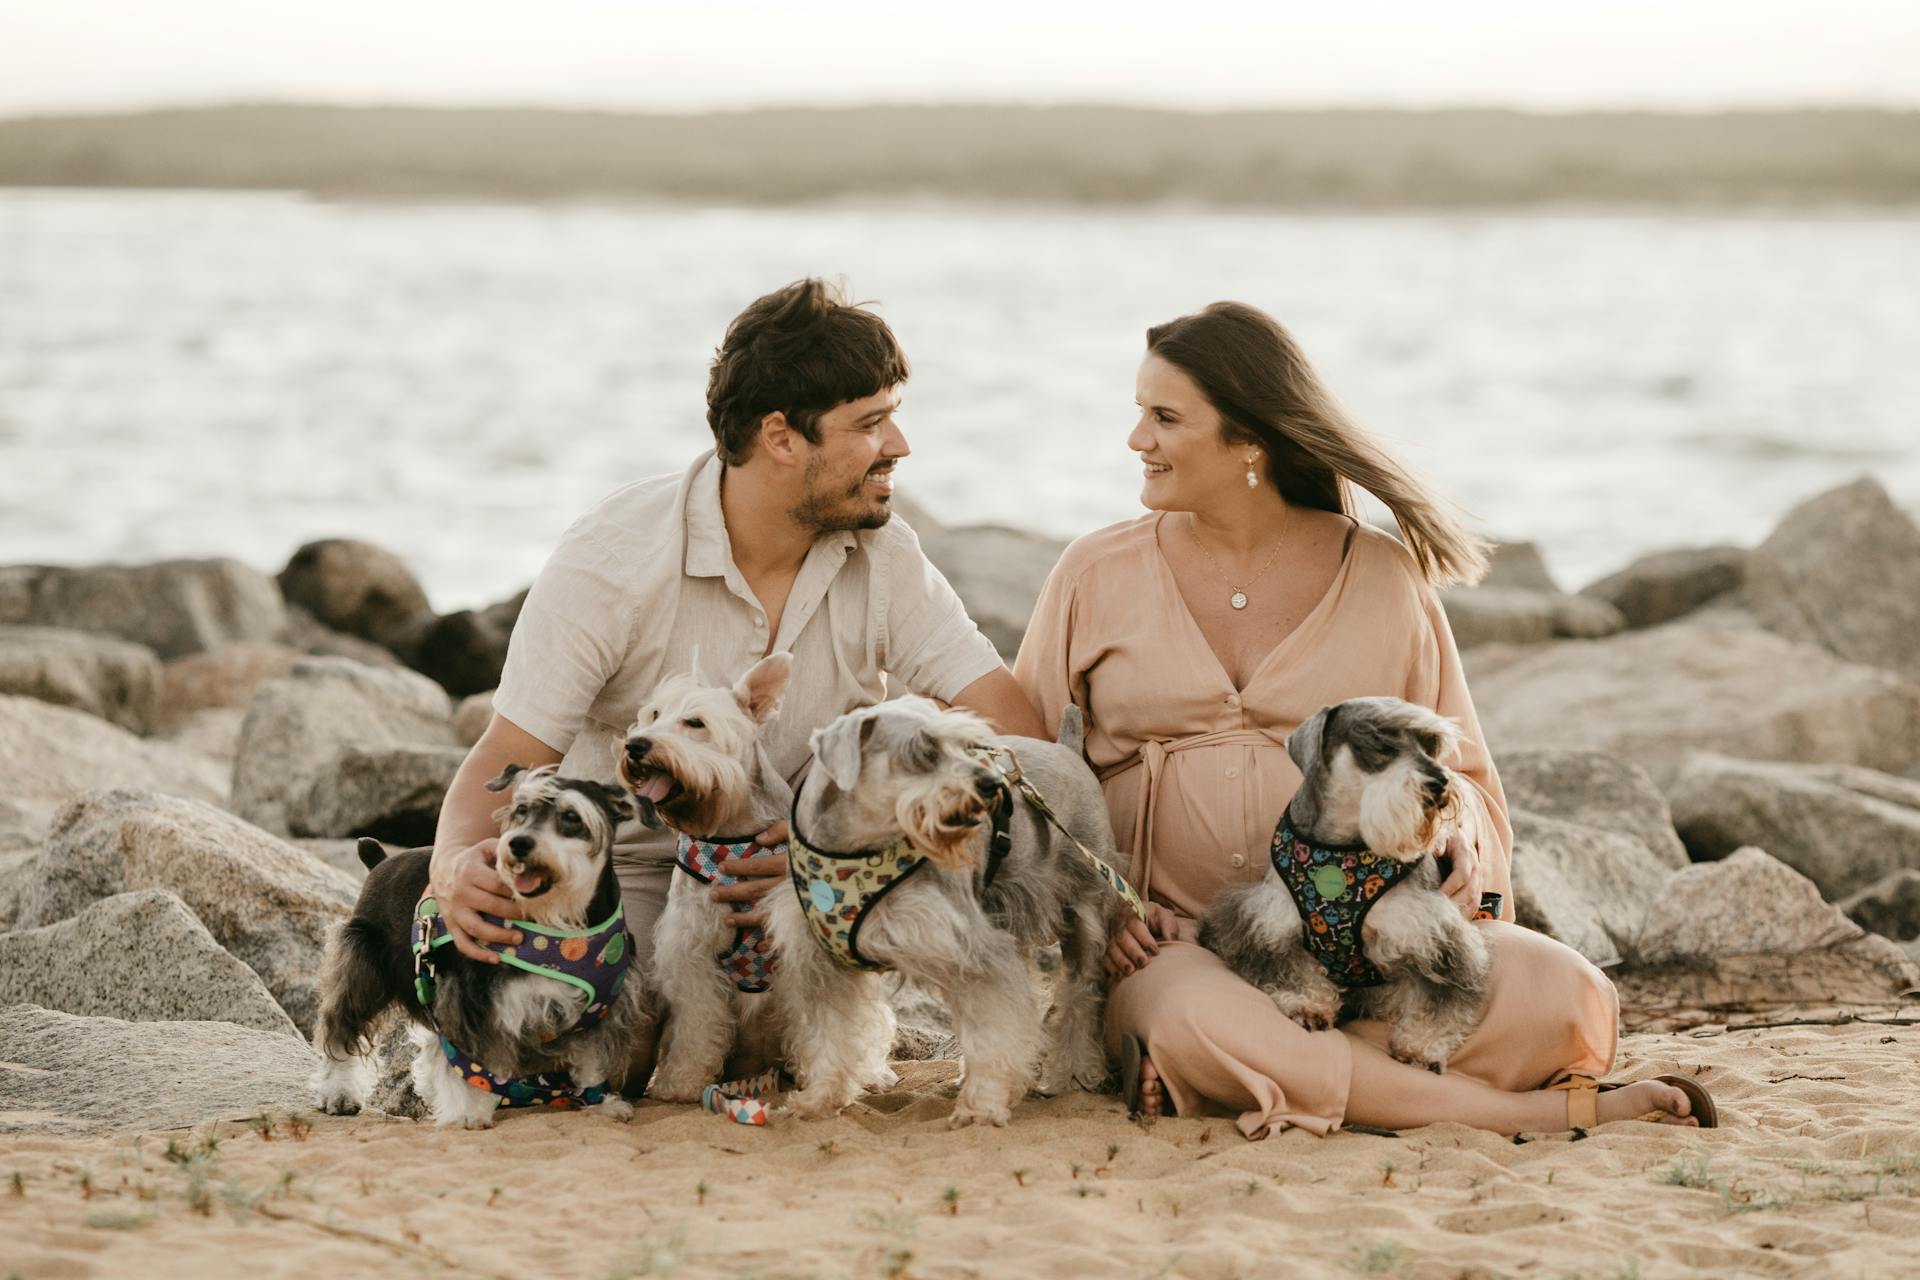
column 553, row 1022
column 1349, row 916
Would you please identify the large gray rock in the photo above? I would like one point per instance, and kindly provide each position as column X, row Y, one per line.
column 306, row 634
column 464, row 651
column 297, row 724
column 1592, row 789
column 997, row 572
column 392, row 795
column 1588, row 887
column 356, row 587
column 1750, row 903
column 472, row 716
column 173, row 607
column 1842, row 570
column 1842, row 826
column 1890, row 906
column 1656, row 696
column 64, row 1074
column 141, row 956
column 112, row 679
column 268, row 903
column 1666, row 585
column 51, row 754
column 1519, row 566
column 226, row 679
column 1503, row 615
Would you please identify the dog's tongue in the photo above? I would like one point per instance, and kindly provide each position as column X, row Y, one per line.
column 655, row 788
column 528, row 883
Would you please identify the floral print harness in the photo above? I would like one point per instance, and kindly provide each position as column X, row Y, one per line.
column 595, row 960
column 1335, row 888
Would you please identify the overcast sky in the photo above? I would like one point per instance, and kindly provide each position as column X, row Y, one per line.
column 61, row 55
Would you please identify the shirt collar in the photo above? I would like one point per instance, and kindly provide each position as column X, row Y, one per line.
column 709, row 550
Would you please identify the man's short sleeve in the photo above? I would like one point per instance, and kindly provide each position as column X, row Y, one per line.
column 931, row 645
column 572, row 636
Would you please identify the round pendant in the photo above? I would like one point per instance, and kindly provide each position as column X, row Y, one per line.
column 1238, row 600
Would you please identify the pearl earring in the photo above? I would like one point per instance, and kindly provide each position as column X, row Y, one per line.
column 1252, row 479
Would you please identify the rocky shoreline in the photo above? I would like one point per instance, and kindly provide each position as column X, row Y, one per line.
column 1712, row 760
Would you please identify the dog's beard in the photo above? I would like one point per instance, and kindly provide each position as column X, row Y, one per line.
column 1403, row 815
column 693, row 791
column 943, row 819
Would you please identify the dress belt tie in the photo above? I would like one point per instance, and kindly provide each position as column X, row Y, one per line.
column 1152, row 755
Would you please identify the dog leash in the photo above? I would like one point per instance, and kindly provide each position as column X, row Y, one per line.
column 741, row 1100
column 1017, row 779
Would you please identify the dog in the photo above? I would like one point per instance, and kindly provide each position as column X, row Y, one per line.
column 1349, row 916
column 542, row 1037
column 693, row 762
column 912, row 854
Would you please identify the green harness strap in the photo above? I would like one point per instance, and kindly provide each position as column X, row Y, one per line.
column 432, row 932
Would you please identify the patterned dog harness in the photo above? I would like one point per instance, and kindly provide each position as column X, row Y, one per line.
column 838, row 890
column 746, row 961
column 594, row 960
column 1334, row 888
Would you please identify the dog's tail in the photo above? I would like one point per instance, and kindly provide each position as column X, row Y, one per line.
column 371, row 854
column 1073, row 730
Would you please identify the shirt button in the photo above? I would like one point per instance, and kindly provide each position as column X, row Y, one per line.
column 759, row 624
column 1233, row 773
column 1239, row 860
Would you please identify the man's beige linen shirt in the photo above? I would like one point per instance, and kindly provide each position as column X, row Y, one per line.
column 646, row 578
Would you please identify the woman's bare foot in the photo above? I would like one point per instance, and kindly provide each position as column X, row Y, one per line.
column 1629, row 1102
column 1152, row 1097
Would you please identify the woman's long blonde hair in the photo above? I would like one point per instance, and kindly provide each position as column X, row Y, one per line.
column 1252, row 371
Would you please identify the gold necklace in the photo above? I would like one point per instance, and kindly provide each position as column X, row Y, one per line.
column 1239, row 597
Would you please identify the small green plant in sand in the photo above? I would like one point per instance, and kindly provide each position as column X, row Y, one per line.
column 1381, row 1258
column 17, row 1184
column 1687, row 1171
column 654, row 1258
column 112, row 1220
column 1019, row 1176
column 951, row 1198
column 898, row 1256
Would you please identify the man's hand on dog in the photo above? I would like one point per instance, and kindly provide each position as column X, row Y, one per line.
column 1469, row 874
column 759, row 875
column 1139, row 941
column 467, row 885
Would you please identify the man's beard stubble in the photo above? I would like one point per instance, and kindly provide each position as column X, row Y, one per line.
column 837, row 513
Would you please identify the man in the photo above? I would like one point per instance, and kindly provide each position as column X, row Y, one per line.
column 782, row 538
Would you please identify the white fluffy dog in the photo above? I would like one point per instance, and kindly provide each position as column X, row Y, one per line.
column 693, row 761
column 912, row 854
column 1349, row 917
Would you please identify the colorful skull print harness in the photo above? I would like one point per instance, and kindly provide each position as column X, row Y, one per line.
column 1334, row 888
column 595, row 960
column 746, row 961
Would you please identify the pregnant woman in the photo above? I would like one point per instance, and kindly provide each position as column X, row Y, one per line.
column 1195, row 638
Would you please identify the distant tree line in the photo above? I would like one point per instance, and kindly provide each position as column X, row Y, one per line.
column 1094, row 155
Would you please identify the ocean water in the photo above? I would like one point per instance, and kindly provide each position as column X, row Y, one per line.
column 219, row 373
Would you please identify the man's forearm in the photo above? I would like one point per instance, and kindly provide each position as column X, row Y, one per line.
column 466, row 815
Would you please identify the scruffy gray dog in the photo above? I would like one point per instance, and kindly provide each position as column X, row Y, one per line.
column 912, row 854
column 1350, row 911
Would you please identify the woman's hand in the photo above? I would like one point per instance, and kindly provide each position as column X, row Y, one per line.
column 1139, row 940
column 759, row 875
column 1469, row 874
column 465, row 882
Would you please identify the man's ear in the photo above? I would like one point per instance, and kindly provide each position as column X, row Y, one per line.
column 778, row 439
column 837, row 748
column 760, row 691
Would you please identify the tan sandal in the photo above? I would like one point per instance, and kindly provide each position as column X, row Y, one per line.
column 1583, row 1101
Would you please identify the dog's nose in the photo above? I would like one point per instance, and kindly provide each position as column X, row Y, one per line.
column 985, row 781
column 637, row 749
column 521, row 846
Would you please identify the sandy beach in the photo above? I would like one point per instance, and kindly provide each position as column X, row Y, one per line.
column 1815, row 1172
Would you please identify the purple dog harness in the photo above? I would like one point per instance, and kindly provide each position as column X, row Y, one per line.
column 594, row 960
column 746, row 961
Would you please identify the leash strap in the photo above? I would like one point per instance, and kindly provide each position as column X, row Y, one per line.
column 741, row 1100
column 1003, row 759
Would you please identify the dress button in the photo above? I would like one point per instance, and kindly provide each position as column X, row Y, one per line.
column 1239, row 860
column 1233, row 773
column 1233, row 699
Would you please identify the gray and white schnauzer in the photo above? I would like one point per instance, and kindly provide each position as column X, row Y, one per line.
column 1349, row 915
column 694, row 762
column 912, row 854
column 553, row 1022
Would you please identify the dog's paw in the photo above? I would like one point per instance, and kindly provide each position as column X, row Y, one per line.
column 884, row 1079
column 336, row 1104
column 614, row 1107
column 339, row 1088
column 814, row 1103
column 964, row 1115
column 1420, row 1056
column 1314, row 1015
column 675, row 1088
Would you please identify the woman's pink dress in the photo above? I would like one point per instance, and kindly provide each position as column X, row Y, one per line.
column 1196, row 775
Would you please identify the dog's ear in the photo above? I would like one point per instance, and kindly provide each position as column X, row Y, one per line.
column 759, row 692
column 506, row 777
column 838, row 747
column 615, row 800
column 1303, row 744
column 649, row 816
column 1440, row 737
